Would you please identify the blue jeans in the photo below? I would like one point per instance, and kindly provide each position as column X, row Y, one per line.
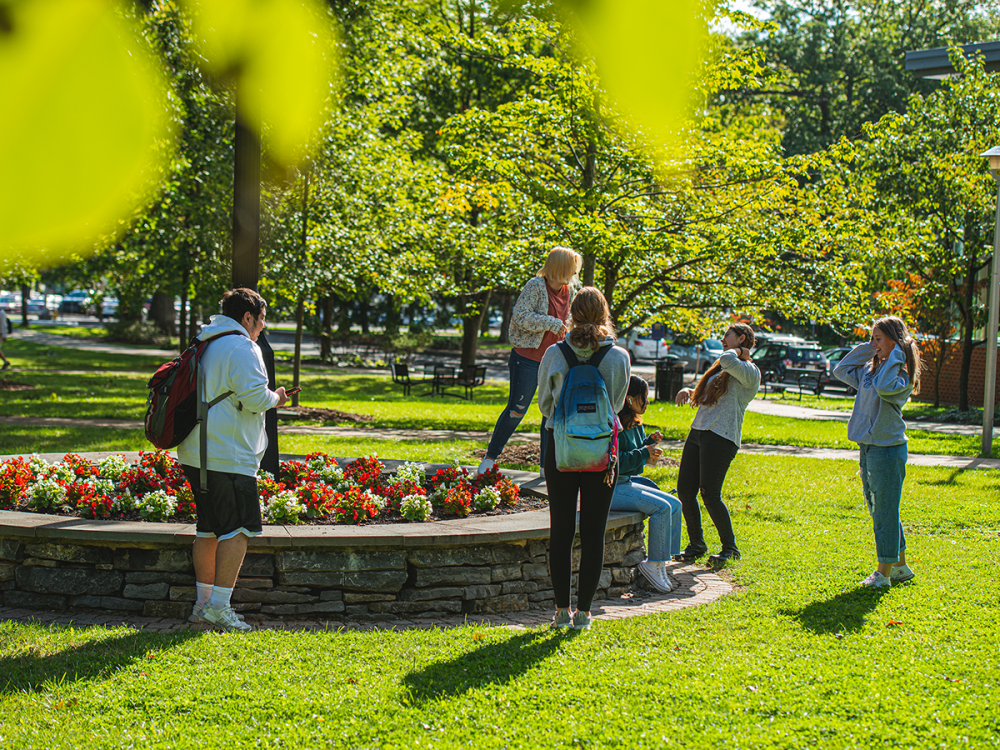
column 664, row 511
column 883, row 469
column 523, row 384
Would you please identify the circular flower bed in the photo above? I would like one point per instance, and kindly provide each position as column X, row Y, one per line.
column 315, row 490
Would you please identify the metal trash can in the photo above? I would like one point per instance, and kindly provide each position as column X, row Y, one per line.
column 669, row 378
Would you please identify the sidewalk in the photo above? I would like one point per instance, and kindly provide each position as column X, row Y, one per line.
column 482, row 436
column 778, row 409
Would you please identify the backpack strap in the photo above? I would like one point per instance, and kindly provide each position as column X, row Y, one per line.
column 571, row 359
column 203, row 415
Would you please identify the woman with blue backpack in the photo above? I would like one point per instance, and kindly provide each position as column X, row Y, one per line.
column 582, row 384
column 721, row 398
column 637, row 493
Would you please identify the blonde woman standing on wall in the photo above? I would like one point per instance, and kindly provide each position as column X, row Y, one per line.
column 539, row 320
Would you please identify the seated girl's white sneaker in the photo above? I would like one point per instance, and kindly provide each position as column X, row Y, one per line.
column 485, row 465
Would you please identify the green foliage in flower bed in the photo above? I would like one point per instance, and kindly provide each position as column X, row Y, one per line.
column 797, row 657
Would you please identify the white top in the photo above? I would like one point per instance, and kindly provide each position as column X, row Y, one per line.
column 236, row 439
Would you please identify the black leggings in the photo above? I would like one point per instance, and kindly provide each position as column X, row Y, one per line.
column 704, row 464
column 595, row 503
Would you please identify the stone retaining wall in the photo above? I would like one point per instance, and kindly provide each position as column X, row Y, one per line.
column 374, row 574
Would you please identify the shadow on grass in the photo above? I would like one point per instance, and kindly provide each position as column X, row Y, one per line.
column 94, row 660
column 495, row 663
column 844, row 613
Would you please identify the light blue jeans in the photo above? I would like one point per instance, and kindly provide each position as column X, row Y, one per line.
column 883, row 469
column 664, row 511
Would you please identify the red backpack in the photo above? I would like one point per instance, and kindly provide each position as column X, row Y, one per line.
column 172, row 407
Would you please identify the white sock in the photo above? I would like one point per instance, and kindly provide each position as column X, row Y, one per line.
column 485, row 465
column 220, row 597
column 204, row 592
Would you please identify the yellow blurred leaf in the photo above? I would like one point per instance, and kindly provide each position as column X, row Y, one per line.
column 647, row 52
column 280, row 52
column 84, row 125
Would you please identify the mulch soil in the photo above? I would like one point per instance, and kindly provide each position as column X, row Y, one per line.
column 327, row 415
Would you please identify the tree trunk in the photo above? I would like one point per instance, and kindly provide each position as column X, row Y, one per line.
column 470, row 325
column 300, row 317
column 968, row 324
column 363, row 308
column 393, row 318
column 185, row 282
column 25, row 293
column 161, row 312
column 344, row 322
column 508, row 311
column 193, row 322
column 325, row 348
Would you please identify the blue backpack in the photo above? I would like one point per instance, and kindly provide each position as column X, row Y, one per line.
column 586, row 426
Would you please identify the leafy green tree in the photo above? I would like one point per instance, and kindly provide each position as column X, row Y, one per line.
column 934, row 194
column 836, row 64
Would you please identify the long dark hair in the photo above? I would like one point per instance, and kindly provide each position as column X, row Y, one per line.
column 705, row 396
column 637, row 388
column 895, row 329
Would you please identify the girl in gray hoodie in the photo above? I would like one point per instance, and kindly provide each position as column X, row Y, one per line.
column 884, row 371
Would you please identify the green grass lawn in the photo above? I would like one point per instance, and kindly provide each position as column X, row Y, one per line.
column 797, row 657
column 107, row 386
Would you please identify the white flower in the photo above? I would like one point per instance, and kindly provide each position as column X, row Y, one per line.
column 415, row 508
column 60, row 472
column 410, row 472
column 45, row 495
column 265, row 476
column 125, row 502
column 157, row 505
column 333, row 476
column 112, row 467
column 283, row 508
column 487, row 498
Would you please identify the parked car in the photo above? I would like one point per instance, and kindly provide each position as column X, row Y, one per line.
column 37, row 306
column 641, row 345
column 696, row 357
column 76, row 302
column 10, row 303
column 783, row 362
column 833, row 357
column 109, row 307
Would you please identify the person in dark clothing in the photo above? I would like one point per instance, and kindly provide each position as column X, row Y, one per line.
column 591, row 329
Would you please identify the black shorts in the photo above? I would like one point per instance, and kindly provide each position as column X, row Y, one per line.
column 230, row 507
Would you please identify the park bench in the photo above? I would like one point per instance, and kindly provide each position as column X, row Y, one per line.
column 770, row 382
column 401, row 376
column 472, row 377
column 805, row 379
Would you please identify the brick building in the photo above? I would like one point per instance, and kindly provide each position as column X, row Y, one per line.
column 950, row 374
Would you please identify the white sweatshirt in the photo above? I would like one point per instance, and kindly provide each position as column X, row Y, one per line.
column 236, row 439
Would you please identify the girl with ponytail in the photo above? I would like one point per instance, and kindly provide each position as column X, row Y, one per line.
column 721, row 397
column 884, row 371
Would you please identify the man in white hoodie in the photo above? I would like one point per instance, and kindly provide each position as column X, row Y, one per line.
column 229, row 513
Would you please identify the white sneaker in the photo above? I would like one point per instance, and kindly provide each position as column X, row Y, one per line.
column 224, row 618
column 901, row 573
column 196, row 614
column 582, row 620
column 656, row 574
column 876, row 581
column 563, row 619
column 485, row 465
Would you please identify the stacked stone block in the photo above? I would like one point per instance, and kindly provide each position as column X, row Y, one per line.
column 305, row 582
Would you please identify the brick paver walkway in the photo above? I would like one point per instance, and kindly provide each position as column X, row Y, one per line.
column 694, row 586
